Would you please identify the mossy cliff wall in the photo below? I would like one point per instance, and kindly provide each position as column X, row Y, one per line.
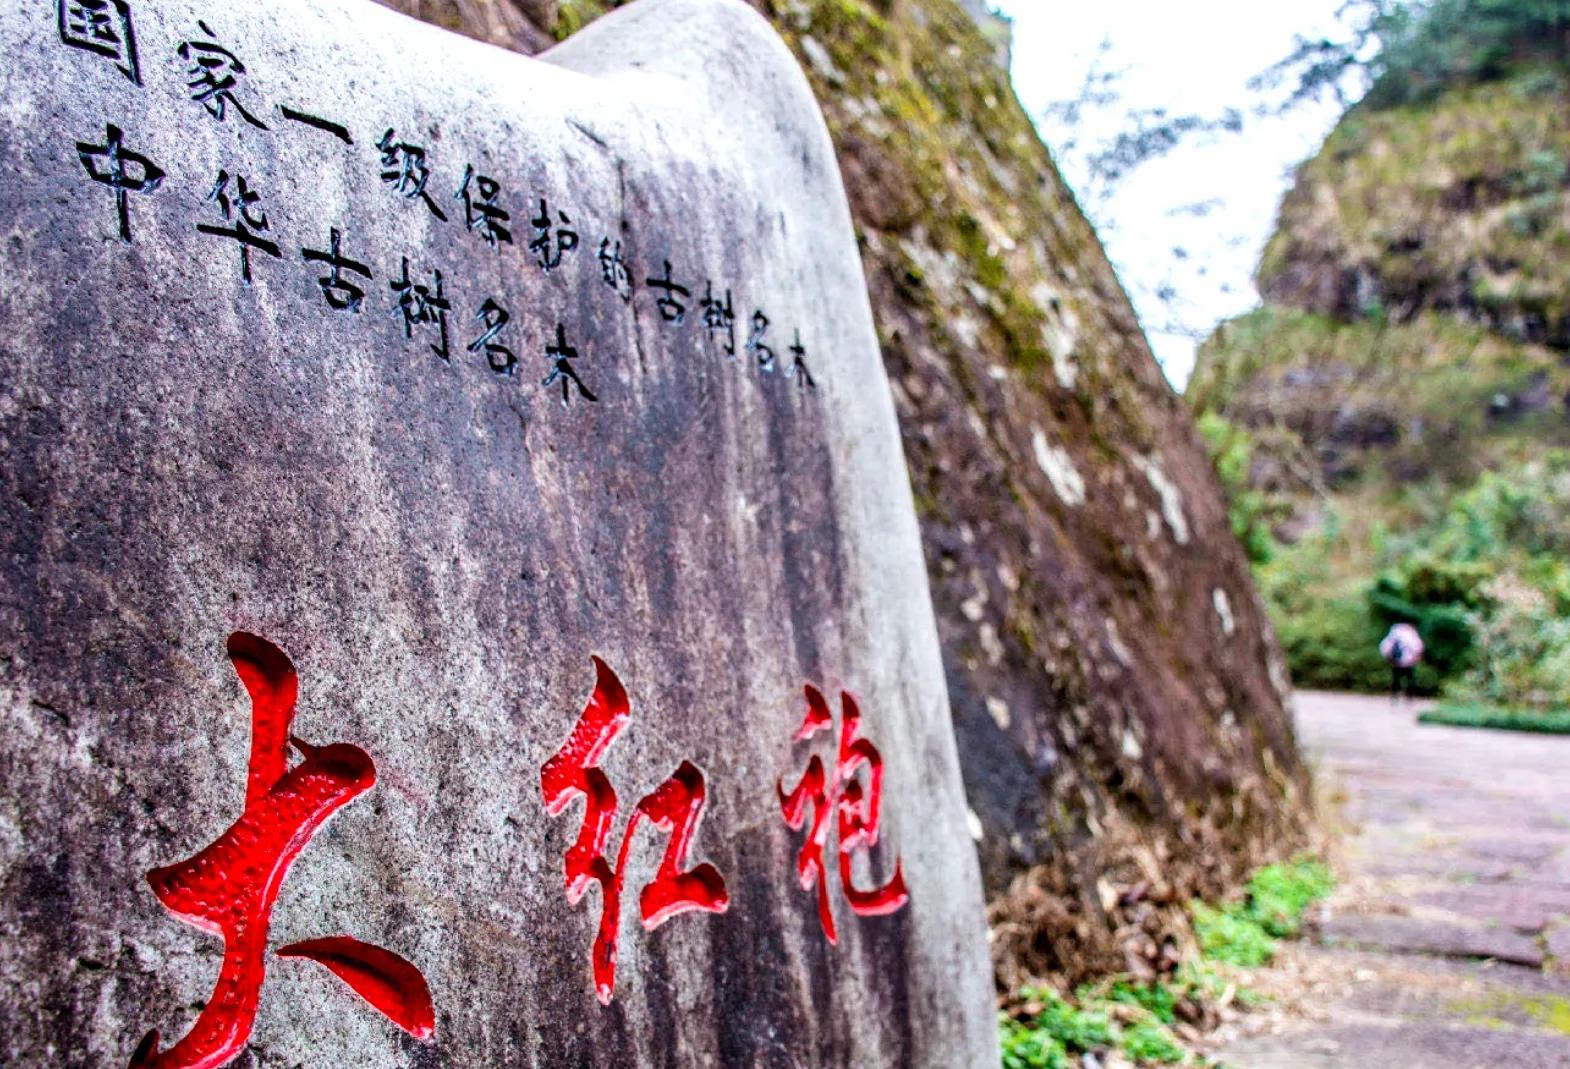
column 1413, row 339
column 1117, row 691
column 1457, row 206
column 1417, row 301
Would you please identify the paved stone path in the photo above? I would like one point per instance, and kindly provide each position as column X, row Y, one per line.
column 1448, row 943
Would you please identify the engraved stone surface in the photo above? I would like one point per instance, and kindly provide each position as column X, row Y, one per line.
column 460, row 594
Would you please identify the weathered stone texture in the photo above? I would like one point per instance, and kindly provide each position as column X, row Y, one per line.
column 1124, row 741
column 441, row 548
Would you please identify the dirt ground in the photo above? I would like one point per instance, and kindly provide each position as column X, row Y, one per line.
column 1447, row 943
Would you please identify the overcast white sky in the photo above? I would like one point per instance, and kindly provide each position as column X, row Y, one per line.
column 1189, row 58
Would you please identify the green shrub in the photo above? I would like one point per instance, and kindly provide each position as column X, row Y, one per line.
column 1332, row 644
column 1445, row 625
column 1523, row 657
column 1250, row 513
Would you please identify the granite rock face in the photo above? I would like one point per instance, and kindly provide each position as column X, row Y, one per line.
column 340, row 351
column 1116, row 686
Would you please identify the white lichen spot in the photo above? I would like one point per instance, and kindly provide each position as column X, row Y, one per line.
column 868, row 113
column 1131, row 747
column 997, row 372
column 1276, row 667
column 820, row 59
column 1008, row 578
column 1171, row 497
column 1152, row 524
column 974, row 606
column 973, row 822
column 1115, row 643
column 1059, row 333
column 990, row 644
column 1229, row 726
column 1059, row 468
column 998, row 709
column 966, row 329
column 940, row 270
column 1223, row 604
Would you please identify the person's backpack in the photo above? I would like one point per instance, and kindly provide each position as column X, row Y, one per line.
column 1397, row 652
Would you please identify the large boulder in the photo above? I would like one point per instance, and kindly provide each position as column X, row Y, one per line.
column 1117, row 691
column 494, row 456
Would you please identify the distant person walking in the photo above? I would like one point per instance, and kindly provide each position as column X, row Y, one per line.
column 1402, row 646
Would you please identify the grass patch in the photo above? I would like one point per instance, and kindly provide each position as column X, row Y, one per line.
column 1499, row 717
column 1244, row 933
column 1278, row 895
column 1046, row 1030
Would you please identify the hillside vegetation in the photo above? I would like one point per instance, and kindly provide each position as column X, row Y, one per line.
column 1392, row 424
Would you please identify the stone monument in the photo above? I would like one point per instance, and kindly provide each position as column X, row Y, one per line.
column 461, row 597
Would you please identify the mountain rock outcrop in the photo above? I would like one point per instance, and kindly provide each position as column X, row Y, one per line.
column 1411, row 351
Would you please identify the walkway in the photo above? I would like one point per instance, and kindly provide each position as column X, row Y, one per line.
column 1448, row 943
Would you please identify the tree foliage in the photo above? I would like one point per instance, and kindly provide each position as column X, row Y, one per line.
column 1409, row 51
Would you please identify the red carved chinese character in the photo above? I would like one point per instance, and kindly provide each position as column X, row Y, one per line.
column 229, row 888
column 674, row 807
column 840, row 793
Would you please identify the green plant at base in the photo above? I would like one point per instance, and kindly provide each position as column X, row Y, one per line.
column 1244, row 933
column 1150, row 1041
column 1136, row 1017
column 1043, row 1038
column 1231, row 936
column 1076, row 1028
column 1029, row 1048
column 1157, row 999
column 1279, row 894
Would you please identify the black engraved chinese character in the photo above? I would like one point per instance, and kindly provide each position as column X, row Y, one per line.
column 718, row 315
column 548, row 252
column 404, row 168
column 798, row 365
column 755, row 346
column 122, row 170
column 561, row 356
column 671, row 308
column 214, row 73
column 613, row 269
column 241, row 210
column 339, row 291
column 494, row 317
column 480, row 210
column 102, row 27
column 316, row 122
column 422, row 305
